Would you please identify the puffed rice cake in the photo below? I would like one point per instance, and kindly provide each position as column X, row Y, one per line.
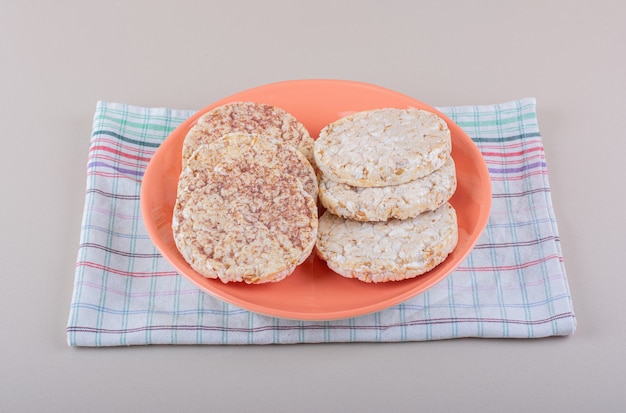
column 260, row 119
column 390, row 250
column 400, row 201
column 383, row 147
column 242, row 219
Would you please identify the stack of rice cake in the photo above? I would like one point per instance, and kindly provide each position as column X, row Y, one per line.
column 385, row 179
column 246, row 207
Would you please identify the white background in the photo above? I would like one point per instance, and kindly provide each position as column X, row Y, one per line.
column 59, row 57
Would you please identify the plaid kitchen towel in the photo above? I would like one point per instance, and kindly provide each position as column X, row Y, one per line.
column 512, row 284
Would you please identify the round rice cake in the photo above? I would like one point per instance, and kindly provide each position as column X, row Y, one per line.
column 260, row 119
column 389, row 250
column 242, row 220
column 400, row 201
column 383, row 147
column 272, row 154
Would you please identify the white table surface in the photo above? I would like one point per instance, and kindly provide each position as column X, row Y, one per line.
column 60, row 57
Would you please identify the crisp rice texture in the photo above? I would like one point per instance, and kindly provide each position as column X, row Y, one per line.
column 383, row 147
column 271, row 153
column 394, row 201
column 268, row 121
column 242, row 219
column 390, row 250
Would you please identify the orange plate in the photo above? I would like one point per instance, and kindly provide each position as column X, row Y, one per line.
column 314, row 292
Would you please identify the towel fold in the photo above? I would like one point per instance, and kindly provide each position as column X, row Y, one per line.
column 513, row 283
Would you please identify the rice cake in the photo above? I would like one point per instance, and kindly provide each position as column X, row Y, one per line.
column 272, row 154
column 253, row 118
column 400, row 201
column 383, row 147
column 242, row 220
column 389, row 250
